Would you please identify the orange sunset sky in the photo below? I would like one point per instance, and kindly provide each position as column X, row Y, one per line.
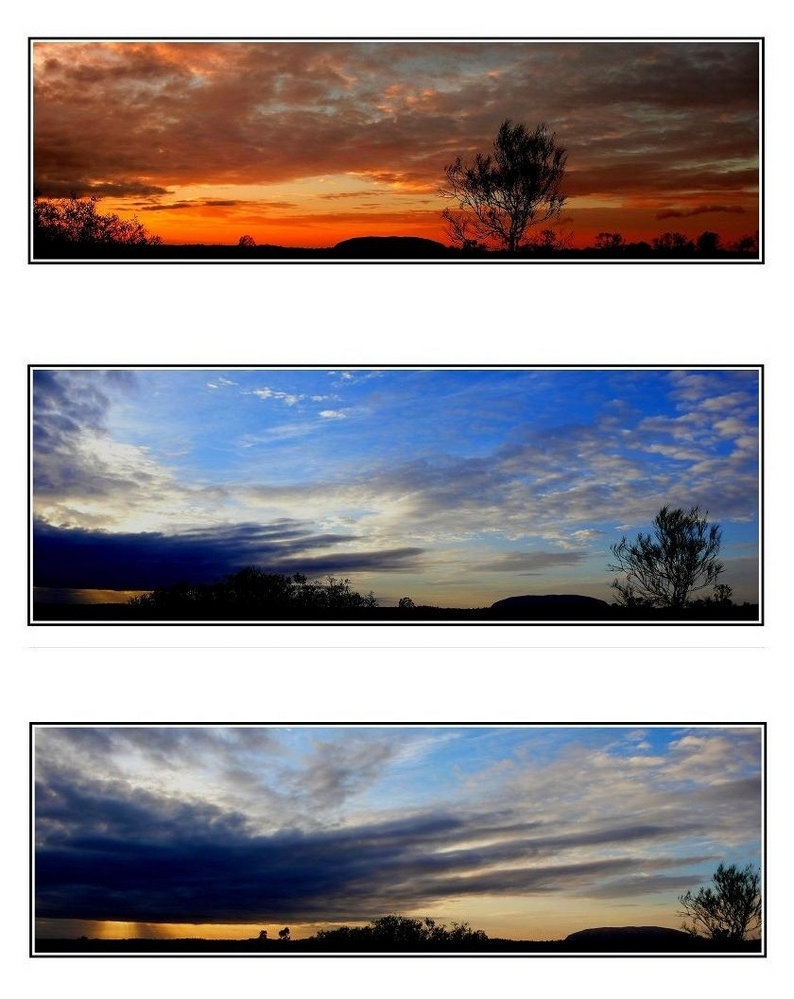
column 306, row 143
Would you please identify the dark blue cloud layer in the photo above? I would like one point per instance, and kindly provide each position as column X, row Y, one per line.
column 111, row 853
column 85, row 559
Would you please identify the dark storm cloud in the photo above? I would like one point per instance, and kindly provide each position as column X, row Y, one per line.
column 85, row 559
column 108, row 852
column 635, row 117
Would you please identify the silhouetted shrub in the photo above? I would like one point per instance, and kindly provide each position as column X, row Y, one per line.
column 63, row 226
column 402, row 933
column 252, row 593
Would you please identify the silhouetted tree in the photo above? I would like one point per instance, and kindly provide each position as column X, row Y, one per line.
column 728, row 911
column 284, row 934
column 723, row 594
column 246, row 241
column 502, row 194
column 708, row 243
column 672, row 242
column 608, row 241
column 746, row 244
column 263, row 934
column 549, row 241
column 406, row 603
column 75, row 222
column 664, row 568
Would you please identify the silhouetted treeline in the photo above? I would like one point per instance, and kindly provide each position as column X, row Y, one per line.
column 252, row 594
column 401, row 933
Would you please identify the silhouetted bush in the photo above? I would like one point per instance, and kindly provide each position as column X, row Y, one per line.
column 252, row 593
column 402, row 933
column 73, row 227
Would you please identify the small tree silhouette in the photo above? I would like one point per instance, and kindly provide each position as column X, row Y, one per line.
column 728, row 911
column 672, row 242
column 709, row 243
column 284, row 934
column 502, row 194
column 608, row 241
column 246, row 241
column 663, row 569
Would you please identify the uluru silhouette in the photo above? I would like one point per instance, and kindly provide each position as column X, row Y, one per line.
column 552, row 606
column 633, row 939
column 391, row 247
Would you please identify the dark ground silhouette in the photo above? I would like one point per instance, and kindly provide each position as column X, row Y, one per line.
column 251, row 594
column 362, row 940
column 74, row 229
column 374, row 248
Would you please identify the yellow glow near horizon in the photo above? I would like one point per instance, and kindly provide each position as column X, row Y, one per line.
column 115, row 930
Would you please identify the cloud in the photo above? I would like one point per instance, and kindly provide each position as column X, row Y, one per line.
column 530, row 562
column 84, row 559
column 243, row 825
column 200, row 865
column 642, row 119
column 701, row 210
column 288, row 398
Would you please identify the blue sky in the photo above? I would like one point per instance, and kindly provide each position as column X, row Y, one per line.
column 456, row 487
column 525, row 832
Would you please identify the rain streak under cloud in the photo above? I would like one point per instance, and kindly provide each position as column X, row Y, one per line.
column 309, row 143
column 457, row 487
column 529, row 833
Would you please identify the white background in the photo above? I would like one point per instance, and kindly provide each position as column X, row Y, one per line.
column 215, row 314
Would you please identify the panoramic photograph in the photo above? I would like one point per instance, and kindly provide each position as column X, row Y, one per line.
column 395, row 495
column 415, row 839
column 334, row 150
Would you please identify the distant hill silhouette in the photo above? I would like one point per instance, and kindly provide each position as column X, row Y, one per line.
column 634, row 938
column 390, row 247
column 552, row 607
